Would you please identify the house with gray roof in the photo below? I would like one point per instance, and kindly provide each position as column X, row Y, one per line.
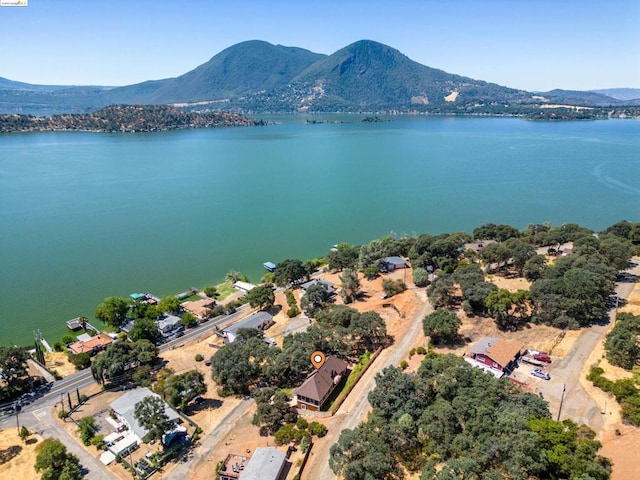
column 124, row 408
column 331, row 288
column 168, row 323
column 261, row 320
column 266, row 463
column 389, row 264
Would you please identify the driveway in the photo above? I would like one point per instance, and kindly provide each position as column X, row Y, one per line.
column 356, row 406
column 565, row 373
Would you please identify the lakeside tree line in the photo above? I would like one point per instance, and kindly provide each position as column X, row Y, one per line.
column 125, row 118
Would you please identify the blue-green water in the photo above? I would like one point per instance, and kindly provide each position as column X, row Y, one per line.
column 84, row 216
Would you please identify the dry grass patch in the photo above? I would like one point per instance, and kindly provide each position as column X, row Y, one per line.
column 16, row 457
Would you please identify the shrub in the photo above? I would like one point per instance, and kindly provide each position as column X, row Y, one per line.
column 199, row 357
column 58, row 346
column 404, row 364
column 293, row 312
column 302, row 423
column 98, row 442
column 421, row 351
column 420, row 277
column 210, row 291
column 286, row 434
column 317, row 429
column 63, row 413
column 393, row 287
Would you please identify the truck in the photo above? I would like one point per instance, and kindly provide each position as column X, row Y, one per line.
column 535, row 357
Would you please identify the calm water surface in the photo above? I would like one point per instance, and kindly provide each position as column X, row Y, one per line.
column 84, row 216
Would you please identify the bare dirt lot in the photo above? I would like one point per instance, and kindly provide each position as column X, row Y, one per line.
column 620, row 442
column 17, row 458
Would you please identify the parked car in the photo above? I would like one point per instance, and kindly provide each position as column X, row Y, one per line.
column 540, row 374
column 543, row 357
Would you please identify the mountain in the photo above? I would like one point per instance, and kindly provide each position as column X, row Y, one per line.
column 579, row 98
column 241, row 69
column 261, row 77
column 6, row 84
column 370, row 75
column 620, row 93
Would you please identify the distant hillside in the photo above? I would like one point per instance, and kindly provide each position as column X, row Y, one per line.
column 620, row 93
column 241, row 69
column 370, row 75
column 580, row 98
column 6, row 84
column 260, row 77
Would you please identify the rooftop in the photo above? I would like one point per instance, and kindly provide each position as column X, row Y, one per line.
column 99, row 341
column 502, row 350
column 257, row 320
column 322, row 382
column 200, row 308
column 330, row 286
column 125, row 405
column 265, row 464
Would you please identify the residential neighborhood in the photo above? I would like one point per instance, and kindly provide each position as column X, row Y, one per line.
column 211, row 427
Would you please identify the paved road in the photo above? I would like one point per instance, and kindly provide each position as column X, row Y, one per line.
column 578, row 404
column 38, row 418
column 355, row 408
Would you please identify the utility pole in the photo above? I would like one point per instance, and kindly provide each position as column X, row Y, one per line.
column 15, row 407
column 564, row 387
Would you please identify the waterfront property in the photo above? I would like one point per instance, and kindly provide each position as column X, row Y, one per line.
column 91, row 345
column 317, row 388
column 244, row 286
column 495, row 355
column 201, row 309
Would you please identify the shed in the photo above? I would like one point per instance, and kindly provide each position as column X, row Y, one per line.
column 244, row 286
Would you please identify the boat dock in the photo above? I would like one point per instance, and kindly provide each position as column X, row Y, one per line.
column 269, row 266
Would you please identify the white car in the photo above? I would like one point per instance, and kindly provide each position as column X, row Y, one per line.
column 540, row 374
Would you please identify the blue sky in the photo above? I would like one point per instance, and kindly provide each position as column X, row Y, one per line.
column 528, row 44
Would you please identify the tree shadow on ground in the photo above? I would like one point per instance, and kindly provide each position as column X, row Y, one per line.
column 8, row 454
column 205, row 404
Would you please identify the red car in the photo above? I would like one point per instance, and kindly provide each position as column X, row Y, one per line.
column 542, row 357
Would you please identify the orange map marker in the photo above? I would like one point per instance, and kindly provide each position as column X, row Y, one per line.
column 317, row 359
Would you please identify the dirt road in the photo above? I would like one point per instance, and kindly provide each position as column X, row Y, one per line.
column 356, row 406
column 578, row 404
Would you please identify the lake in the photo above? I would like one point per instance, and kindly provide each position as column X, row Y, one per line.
column 84, row 216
